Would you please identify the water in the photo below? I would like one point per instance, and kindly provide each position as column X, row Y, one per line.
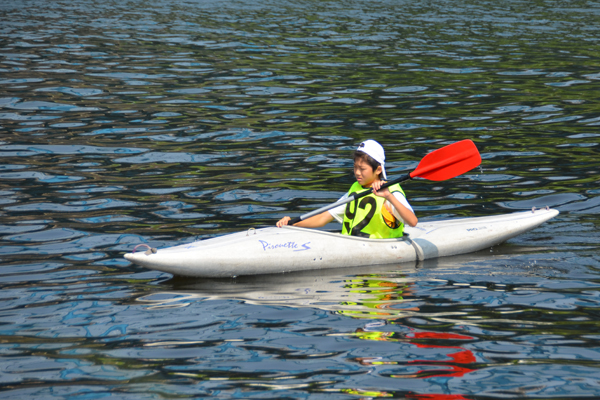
column 165, row 122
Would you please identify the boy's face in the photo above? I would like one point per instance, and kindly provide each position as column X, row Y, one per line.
column 364, row 173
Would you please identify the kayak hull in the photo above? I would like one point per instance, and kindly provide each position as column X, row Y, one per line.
column 276, row 250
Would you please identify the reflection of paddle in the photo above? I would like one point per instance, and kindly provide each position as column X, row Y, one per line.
column 439, row 165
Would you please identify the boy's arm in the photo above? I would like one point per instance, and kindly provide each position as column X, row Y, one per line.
column 407, row 215
column 316, row 221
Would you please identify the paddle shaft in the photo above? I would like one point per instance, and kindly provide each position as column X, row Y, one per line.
column 350, row 198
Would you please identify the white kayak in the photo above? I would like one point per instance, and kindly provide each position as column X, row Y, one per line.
column 276, row 250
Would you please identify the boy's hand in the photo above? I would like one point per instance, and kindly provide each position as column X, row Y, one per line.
column 283, row 221
column 383, row 193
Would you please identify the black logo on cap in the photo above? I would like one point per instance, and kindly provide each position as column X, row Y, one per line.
column 361, row 145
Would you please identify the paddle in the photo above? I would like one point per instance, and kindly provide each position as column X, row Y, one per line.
column 439, row 165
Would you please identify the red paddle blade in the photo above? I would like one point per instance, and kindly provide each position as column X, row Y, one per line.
column 448, row 162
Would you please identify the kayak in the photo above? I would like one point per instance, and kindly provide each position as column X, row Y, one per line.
column 276, row 250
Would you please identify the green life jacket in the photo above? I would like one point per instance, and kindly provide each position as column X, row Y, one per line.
column 366, row 218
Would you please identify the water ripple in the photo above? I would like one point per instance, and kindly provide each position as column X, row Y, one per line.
column 166, row 122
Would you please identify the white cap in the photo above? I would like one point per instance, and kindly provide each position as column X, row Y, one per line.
column 375, row 150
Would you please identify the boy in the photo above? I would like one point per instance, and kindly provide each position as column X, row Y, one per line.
column 381, row 214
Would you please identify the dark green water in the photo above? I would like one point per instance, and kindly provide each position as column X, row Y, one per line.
column 161, row 122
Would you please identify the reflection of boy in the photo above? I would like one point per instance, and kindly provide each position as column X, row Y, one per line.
column 381, row 214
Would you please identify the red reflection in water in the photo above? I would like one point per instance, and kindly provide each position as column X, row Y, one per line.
column 463, row 356
column 458, row 364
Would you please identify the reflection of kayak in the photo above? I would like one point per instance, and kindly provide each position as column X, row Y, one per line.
column 361, row 292
column 381, row 292
column 276, row 250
